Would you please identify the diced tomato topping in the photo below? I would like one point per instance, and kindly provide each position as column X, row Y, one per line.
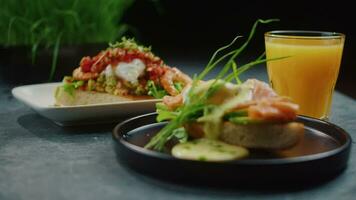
column 154, row 65
column 129, row 57
column 155, row 72
column 86, row 64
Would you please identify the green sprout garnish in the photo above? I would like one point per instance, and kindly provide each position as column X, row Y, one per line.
column 195, row 107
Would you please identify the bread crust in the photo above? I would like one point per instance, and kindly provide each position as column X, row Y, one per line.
column 263, row 136
column 256, row 136
column 81, row 97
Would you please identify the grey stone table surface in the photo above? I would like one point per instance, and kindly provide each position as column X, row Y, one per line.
column 40, row 160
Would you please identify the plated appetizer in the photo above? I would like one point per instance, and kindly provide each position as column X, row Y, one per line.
column 218, row 120
column 124, row 71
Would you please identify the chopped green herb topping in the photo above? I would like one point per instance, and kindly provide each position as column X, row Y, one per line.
column 130, row 44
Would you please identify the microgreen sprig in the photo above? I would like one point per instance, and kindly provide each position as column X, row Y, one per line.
column 130, row 43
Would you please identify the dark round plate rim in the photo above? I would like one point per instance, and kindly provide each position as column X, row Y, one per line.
column 270, row 161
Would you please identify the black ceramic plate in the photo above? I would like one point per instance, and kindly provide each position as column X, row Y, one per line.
column 322, row 154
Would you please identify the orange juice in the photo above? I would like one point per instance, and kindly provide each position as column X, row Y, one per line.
column 309, row 73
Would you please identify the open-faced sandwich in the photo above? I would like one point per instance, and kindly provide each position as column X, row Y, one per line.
column 219, row 120
column 124, row 71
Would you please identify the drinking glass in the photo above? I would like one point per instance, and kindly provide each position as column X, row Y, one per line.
column 306, row 68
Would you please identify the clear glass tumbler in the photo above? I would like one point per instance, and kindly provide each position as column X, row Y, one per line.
column 309, row 71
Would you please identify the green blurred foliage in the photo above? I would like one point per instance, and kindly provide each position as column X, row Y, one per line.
column 33, row 22
column 51, row 23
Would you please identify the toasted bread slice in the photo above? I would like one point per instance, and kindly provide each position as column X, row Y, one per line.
column 80, row 97
column 258, row 136
column 263, row 136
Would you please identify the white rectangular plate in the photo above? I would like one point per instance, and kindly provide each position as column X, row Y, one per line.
column 40, row 97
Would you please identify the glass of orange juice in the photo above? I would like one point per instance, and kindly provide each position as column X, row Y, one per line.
column 309, row 69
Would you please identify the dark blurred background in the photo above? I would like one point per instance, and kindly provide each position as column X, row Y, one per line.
column 183, row 32
column 192, row 30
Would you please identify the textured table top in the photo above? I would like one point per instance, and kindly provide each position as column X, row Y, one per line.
column 40, row 160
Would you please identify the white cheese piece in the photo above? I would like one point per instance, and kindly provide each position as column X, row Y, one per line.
column 130, row 71
column 108, row 71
